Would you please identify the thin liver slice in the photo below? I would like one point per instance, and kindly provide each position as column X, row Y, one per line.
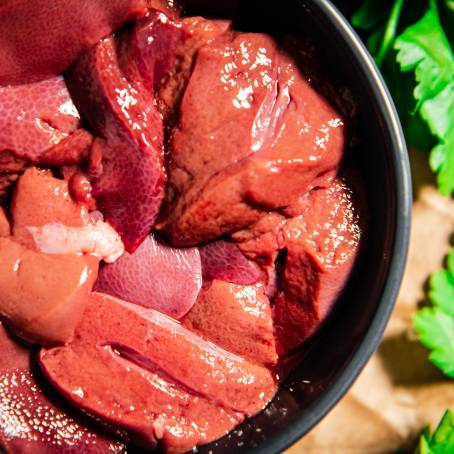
column 130, row 188
column 183, row 390
column 155, row 276
column 32, row 423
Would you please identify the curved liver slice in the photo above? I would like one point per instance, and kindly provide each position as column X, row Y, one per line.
column 279, row 139
column 236, row 318
column 155, row 276
column 224, row 261
column 131, row 187
column 31, row 50
column 30, row 422
column 164, row 383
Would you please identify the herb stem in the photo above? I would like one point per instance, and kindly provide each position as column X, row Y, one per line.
column 390, row 31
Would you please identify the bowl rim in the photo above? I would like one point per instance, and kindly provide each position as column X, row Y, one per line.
column 404, row 197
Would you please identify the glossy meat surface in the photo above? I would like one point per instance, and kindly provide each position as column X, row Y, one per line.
column 279, row 139
column 183, row 390
column 30, row 421
column 236, row 318
column 130, row 188
column 155, row 276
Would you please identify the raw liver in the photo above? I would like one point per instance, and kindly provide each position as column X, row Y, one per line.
column 30, row 422
column 41, row 199
column 156, row 276
column 161, row 50
column 321, row 244
column 279, row 139
column 39, row 39
column 237, row 318
column 224, row 261
column 43, row 296
column 130, row 188
column 165, row 383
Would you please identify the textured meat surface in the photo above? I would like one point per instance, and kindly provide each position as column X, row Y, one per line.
column 131, row 187
column 35, row 117
column 321, row 244
column 32, row 50
column 155, row 276
column 224, row 261
column 162, row 49
column 237, row 318
column 279, row 139
column 30, row 422
column 184, row 390
column 58, row 286
column 41, row 199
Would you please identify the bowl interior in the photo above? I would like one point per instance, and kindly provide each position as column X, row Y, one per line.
column 334, row 358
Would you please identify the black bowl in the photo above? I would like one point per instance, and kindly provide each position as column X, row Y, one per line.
column 336, row 356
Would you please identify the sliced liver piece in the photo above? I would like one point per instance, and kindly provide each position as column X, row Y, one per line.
column 321, row 245
column 43, row 296
column 30, row 422
column 31, row 50
column 164, row 383
column 41, row 199
column 224, row 261
column 279, row 139
column 35, row 117
column 237, row 318
column 156, row 276
column 131, row 187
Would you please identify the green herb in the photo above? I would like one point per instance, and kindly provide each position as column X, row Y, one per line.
column 424, row 48
column 435, row 325
column 424, row 94
column 441, row 441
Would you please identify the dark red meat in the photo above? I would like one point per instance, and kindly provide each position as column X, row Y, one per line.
column 30, row 423
column 279, row 139
column 321, row 244
column 164, row 383
column 156, row 276
column 237, row 318
column 160, row 49
column 224, row 261
column 39, row 40
column 131, row 187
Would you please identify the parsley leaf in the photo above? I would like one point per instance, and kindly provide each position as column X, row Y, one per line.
column 441, row 441
column 424, row 48
column 435, row 325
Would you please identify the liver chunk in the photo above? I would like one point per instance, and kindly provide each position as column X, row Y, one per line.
column 258, row 139
column 164, row 383
column 31, row 422
column 237, row 318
